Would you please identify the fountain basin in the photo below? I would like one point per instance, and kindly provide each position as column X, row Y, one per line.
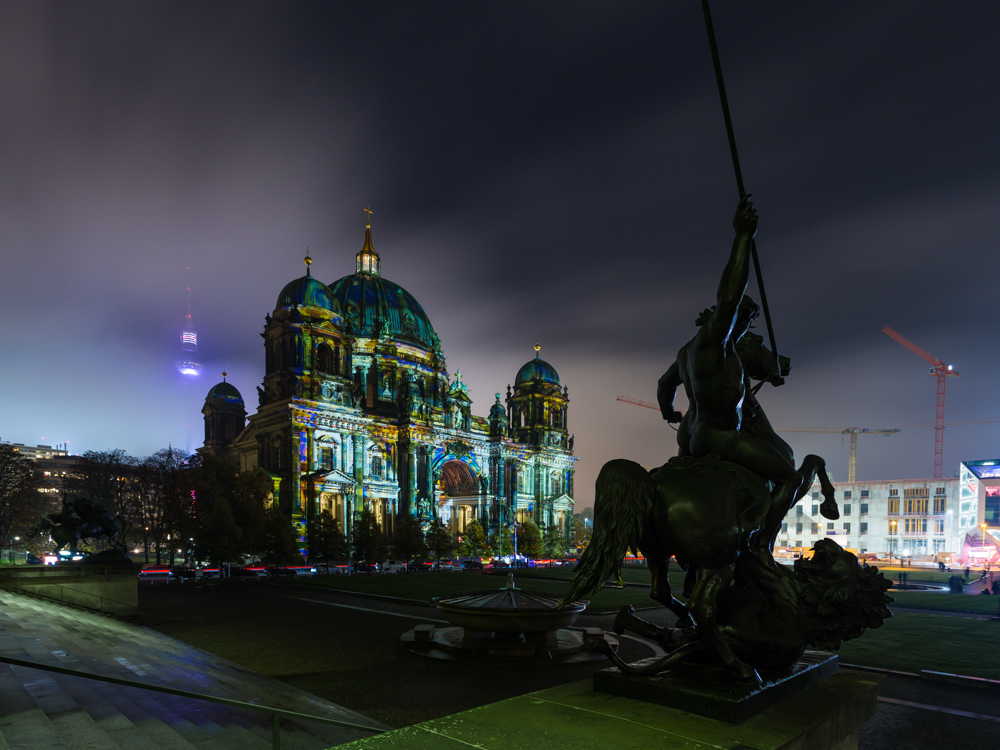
column 509, row 610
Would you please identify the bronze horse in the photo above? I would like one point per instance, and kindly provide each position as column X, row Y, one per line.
column 717, row 519
column 79, row 519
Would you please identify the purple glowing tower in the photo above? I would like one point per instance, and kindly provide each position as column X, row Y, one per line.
column 188, row 365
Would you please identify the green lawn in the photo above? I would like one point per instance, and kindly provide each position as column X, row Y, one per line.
column 911, row 642
column 944, row 601
column 923, row 574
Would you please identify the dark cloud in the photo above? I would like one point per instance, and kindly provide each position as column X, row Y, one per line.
column 545, row 171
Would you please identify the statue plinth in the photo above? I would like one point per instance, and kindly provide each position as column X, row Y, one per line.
column 707, row 689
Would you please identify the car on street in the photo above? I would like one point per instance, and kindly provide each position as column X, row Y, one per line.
column 472, row 565
column 392, row 566
column 155, row 573
column 415, row 566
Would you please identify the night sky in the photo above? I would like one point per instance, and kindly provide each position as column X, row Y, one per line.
column 551, row 171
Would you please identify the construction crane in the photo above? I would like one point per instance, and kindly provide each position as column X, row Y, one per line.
column 852, row 431
column 638, row 402
column 852, row 464
column 940, row 371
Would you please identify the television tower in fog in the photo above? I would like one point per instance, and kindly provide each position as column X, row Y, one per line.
column 188, row 365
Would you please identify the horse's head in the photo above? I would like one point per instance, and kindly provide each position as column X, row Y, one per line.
column 845, row 597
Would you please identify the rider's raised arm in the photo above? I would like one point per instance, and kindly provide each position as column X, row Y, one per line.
column 666, row 390
column 735, row 276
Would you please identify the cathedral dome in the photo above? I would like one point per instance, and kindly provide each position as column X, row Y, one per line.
column 372, row 305
column 226, row 392
column 537, row 369
column 306, row 292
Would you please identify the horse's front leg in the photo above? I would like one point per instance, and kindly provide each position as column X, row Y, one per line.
column 659, row 590
column 704, row 606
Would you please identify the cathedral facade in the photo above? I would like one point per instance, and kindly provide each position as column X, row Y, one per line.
column 357, row 409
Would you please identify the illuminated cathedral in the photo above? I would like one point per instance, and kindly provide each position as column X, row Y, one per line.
column 357, row 409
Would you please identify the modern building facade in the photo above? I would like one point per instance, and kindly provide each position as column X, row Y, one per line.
column 357, row 409
column 957, row 518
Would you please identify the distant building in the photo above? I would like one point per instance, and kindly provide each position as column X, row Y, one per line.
column 357, row 409
column 52, row 464
column 917, row 518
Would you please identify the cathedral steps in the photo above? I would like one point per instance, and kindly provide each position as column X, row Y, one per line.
column 63, row 712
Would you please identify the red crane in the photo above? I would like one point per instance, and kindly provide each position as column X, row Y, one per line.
column 941, row 371
column 638, row 402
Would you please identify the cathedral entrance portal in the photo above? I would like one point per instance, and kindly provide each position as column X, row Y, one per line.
column 461, row 495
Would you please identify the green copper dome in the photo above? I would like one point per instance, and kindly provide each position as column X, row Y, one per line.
column 537, row 369
column 306, row 292
column 225, row 391
column 366, row 299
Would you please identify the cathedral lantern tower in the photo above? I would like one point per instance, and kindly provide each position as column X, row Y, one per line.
column 537, row 407
column 536, row 414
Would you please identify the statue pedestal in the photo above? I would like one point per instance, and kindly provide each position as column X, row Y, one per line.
column 708, row 690
column 823, row 716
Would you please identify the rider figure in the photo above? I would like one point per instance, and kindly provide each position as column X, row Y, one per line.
column 717, row 386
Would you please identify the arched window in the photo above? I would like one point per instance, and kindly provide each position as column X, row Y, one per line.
column 325, row 359
column 326, row 457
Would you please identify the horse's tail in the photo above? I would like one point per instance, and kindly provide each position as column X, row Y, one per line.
column 622, row 502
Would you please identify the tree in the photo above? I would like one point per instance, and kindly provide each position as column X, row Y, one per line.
column 21, row 504
column 111, row 480
column 529, row 539
column 167, row 503
column 554, row 541
column 439, row 541
column 323, row 538
column 502, row 542
column 475, row 543
column 231, row 514
column 408, row 538
column 279, row 541
column 369, row 542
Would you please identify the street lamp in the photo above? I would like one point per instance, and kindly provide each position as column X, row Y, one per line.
column 894, row 539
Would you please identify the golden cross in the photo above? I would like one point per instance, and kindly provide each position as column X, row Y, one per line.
column 368, row 218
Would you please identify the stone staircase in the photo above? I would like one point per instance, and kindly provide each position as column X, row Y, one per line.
column 60, row 712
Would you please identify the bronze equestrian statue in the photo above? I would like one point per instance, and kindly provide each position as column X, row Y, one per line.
column 719, row 505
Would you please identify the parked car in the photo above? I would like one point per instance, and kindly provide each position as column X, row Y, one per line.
column 155, row 572
column 361, row 567
column 498, row 565
column 392, row 566
column 248, row 571
column 419, row 565
column 472, row 565
column 444, row 565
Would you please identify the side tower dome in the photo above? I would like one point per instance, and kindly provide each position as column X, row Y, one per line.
column 225, row 416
